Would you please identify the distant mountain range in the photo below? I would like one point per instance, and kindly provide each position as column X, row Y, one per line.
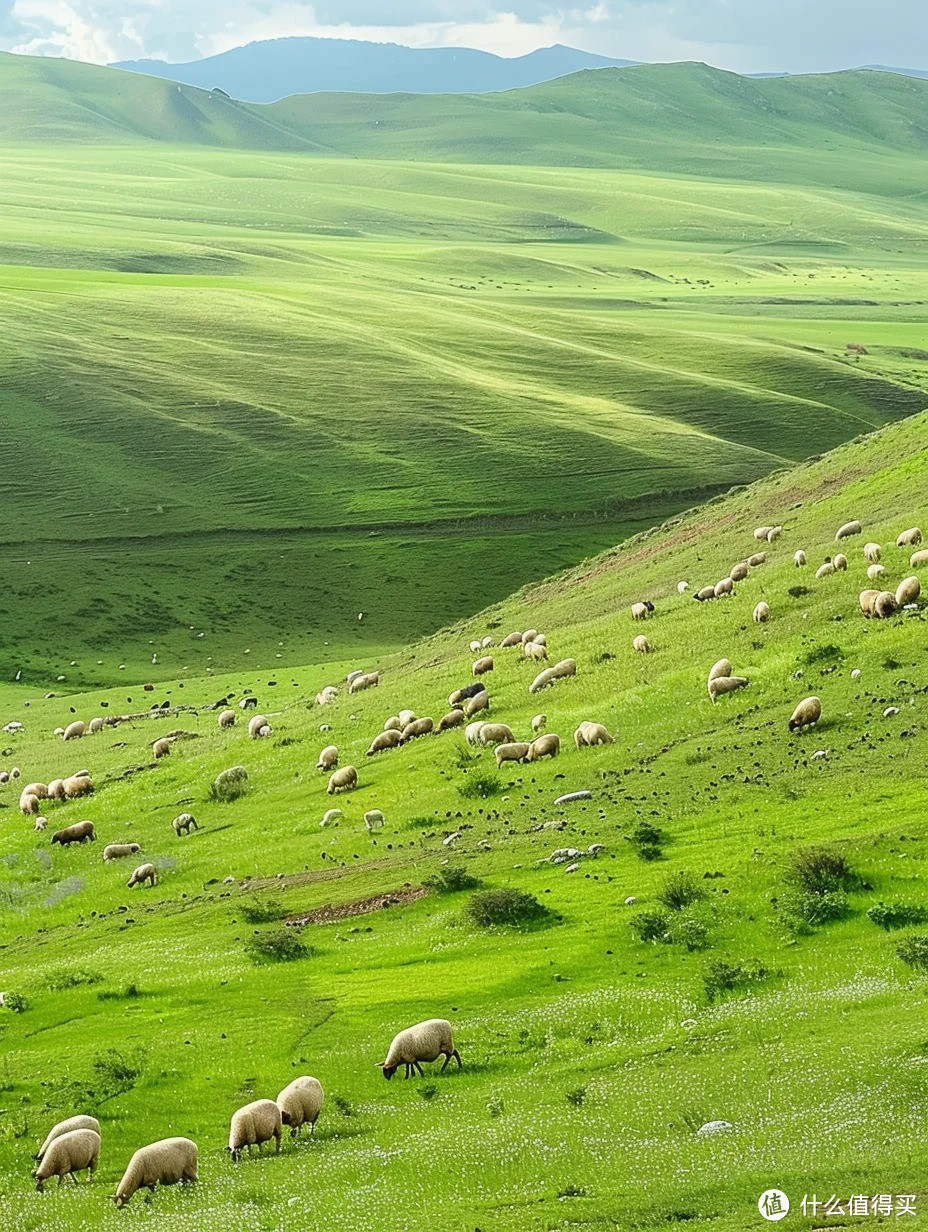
column 267, row 71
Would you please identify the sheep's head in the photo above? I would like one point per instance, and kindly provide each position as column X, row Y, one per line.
column 285, row 1117
column 388, row 1070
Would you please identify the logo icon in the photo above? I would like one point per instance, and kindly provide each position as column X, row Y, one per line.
column 773, row 1204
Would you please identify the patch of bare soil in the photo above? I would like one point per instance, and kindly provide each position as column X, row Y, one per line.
column 330, row 912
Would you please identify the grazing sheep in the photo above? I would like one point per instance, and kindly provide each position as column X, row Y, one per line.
column 799, row 558
column 345, row 779
column 704, row 594
column 183, row 823
column 255, row 724
column 144, row 872
column 774, row 533
column 641, row 644
column 373, row 819
column 368, row 680
column 454, row 718
column 867, row 600
column 761, row 613
column 723, row 587
column 738, row 572
column 543, row 680
column 682, row 587
column 463, row 695
column 495, row 733
column 392, row 723
column 918, row 558
column 4, row 777
column 71, row 1152
column 566, row 667
column 908, row 591
column 79, row 832
column 39, row 790
column 326, row 696
column 872, row 553
column 761, row 533
column 161, row 1163
column 884, row 604
column 473, row 705
column 757, row 559
column 909, row 538
column 540, row 639
column 641, row 611
column 28, row 804
column 328, row 758
column 426, row 1041
column 529, row 635
column 847, row 530
column 300, row 1104
column 538, row 722
column 475, row 647
column 590, row 734
column 875, row 571
column 330, row 817
column 67, row 1127
column 385, row 740
column 56, row 790
column 226, row 720
column 511, row 639
column 806, row 714
column 40, row 823
column 406, row 717
column 254, row 1125
column 482, row 666
column 726, row 684
column 840, row 562
column 487, row 641
column 116, row 851
column 534, row 650
column 516, row 751
column 223, row 780
column 472, row 732
column 418, row 727
column 826, row 569
column 74, row 730
column 95, row 726
column 161, row 748
column 548, row 745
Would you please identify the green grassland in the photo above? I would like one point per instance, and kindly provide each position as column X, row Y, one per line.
column 590, row 1057
column 252, row 394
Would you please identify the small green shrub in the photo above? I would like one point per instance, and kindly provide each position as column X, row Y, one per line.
column 798, row 592
column 277, row 945
column 687, row 930
column 644, row 834
column 495, row 1106
column 721, row 976
column 913, row 950
column 119, row 994
column 801, row 911
column 576, row 1098
column 823, row 654
column 452, row 879
column 514, row 908
column 480, row 787
column 463, row 758
column 428, row 1092
column 72, row 977
column 897, row 915
column 649, row 925
column 262, row 911
column 343, row 1106
column 679, row 890
column 15, row 1002
column 115, row 1073
column 821, row 870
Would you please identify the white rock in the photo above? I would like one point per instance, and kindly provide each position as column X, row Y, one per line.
column 573, row 795
column 571, row 868
column 890, row 711
column 713, row 1127
column 819, row 755
column 230, row 880
column 449, row 841
column 855, row 674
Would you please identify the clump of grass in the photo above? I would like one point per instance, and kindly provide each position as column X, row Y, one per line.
column 800, row 911
column 821, row 870
column 480, row 787
column 129, row 993
column 452, row 879
column 463, row 757
column 115, row 1073
column 277, row 945
column 428, row 1092
column 72, row 977
column 262, row 911
column 15, row 1002
column 679, row 890
column 721, row 976
column 649, row 925
column 897, row 915
column 647, row 841
column 828, row 653
column 798, row 592
column 576, row 1097
column 343, row 1106
column 688, row 930
column 913, row 950
column 512, row 908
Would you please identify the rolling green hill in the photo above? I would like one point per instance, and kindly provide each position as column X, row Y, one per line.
column 591, row 1057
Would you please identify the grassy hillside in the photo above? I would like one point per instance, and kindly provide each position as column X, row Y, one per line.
column 250, row 396
column 591, row 1058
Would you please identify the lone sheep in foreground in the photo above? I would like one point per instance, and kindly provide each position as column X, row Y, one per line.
column 328, row 758
column 726, row 684
column 183, row 823
column 426, row 1041
column 806, row 714
column 588, row 735
column 253, row 1125
column 80, row 832
column 162, row 1163
column 345, row 779
column 70, row 1152
column 548, row 745
column 761, row 613
column 67, row 1127
column 847, row 530
column 144, row 872
column 910, row 538
column 641, row 644
column 117, row 851
column 161, row 748
column 300, row 1104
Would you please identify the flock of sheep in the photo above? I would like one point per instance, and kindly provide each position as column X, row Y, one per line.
column 73, row 1145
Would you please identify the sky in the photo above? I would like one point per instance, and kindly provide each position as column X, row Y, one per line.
column 741, row 35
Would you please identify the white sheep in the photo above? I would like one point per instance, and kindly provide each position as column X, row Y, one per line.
column 368, row 680
column 475, row 647
column 874, row 572
column 426, row 1041
column 344, row 779
column 590, row 734
column 74, row 730
column 144, row 872
column 226, row 720
column 840, row 562
column 330, row 817
column 326, row 696
column 725, row 586
column 548, row 745
column 761, row 613
column 328, row 758
column 908, row 591
column 726, row 684
column 167, row 1162
column 761, row 533
column 641, row 644
column 161, row 748
column 385, row 740
column 848, row 529
column 910, row 538
column 799, row 558
column 538, row 722
column 255, row 724
column 516, row 751
column 472, row 732
column 806, row 714
column 67, row 1127
column 406, row 717
column 872, row 553
column 535, row 651
column 495, row 733
column 373, row 819
column 473, row 705
column 483, row 665
column 75, row 1151
column 682, row 587
column 641, row 611
column 41, row 823
column 392, row 723
column 183, row 823
column 454, row 718
column 917, row 559
column 757, row 559
column 300, row 1104
column 253, row 1125
column 417, row 728
column 511, row 639
column 529, row 635
column 884, row 604
column 738, row 572
column 825, row 570
column 774, row 533
column 117, row 851
column 95, row 726
column 721, row 668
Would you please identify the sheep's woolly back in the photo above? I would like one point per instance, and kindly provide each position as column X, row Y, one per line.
column 302, row 1101
column 67, row 1127
column 69, row 1152
column 257, row 1122
column 161, row 1163
column 423, row 1042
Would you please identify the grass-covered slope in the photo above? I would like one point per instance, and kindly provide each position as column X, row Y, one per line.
column 590, row 1057
column 252, row 395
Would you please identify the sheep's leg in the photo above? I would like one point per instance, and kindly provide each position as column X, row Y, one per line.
column 447, row 1056
column 457, row 1057
column 418, row 1068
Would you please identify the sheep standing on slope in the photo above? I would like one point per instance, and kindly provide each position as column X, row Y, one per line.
column 79, row 832
column 78, row 785
column 184, row 823
column 226, row 720
column 426, row 1041
column 538, row 722
column 908, row 591
column 641, row 611
column 872, row 553
column 641, row 644
column 74, row 730
column 144, row 872
column 167, row 1162
column 71, row 1152
column 118, row 851
column 385, row 740
column 761, row 613
column 300, row 1104
column 517, row 751
column 473, row 705
column 482, row 666
column 256, row 725
column 418, row 727
column 726, row 684
column 253, row 1125
column 495, row 733
column 345, row 779
column 806, row 714
column 161, row 748
column 590, row 734
column 875, row 572
column 738, row 572
column 910, row 538
column 548, row 745
column 847, row 530
column 799, row 558
column 721, row 668
column 454, row 718
column 328, row 758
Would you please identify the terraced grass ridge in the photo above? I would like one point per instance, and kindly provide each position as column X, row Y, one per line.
column 748, row 982
column 267, row 369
